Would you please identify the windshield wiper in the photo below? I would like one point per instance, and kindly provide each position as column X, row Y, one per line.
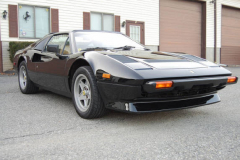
column 95, row 48
column 147, row 49
column 125, row 47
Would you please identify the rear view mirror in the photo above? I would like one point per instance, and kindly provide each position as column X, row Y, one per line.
column 53, row 48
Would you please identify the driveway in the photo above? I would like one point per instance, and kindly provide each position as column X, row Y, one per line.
column 46, row 126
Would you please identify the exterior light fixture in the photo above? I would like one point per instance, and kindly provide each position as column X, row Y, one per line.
column 123, row 24
column 213, row 1
column 4, row 14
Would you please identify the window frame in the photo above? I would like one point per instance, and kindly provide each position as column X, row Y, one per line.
column 103, row 13
column 40, row 41
column 68, row 38
column 34, row 6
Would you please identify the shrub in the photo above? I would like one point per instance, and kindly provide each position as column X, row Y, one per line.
column 15, row 46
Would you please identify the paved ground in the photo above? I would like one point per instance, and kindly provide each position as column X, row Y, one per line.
column 46, row 126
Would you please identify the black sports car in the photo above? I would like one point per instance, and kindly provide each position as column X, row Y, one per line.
column 108, row 70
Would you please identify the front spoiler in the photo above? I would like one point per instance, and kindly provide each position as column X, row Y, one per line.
column 166, row 105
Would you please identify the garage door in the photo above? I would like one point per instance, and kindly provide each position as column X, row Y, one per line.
column 230, row 52
column 181, row 26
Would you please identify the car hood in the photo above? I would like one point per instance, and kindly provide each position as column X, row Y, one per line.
column 139, row 64
column 139, row 59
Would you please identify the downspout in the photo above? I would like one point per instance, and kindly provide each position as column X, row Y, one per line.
column 1, row 58
column 215, row 30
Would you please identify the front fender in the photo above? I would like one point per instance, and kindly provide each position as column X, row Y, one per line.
column 103, row 62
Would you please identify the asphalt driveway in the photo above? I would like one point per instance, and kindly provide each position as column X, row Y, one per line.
column 46, row 126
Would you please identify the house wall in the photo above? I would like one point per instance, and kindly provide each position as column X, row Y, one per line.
column 231, row 3
column 210, row 31
column 210, row 27
column 71, row 17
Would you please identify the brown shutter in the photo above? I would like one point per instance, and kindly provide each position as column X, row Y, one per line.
column 117, row 24
column 55, row 20
column 13, row 20
column 86, row 20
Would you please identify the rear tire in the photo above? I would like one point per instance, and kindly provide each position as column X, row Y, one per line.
column 86, row 98
column 25, row 84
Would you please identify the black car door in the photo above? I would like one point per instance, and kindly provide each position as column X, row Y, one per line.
column 50, row 66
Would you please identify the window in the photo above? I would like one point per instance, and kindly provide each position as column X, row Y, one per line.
column 59, row 40
column 40, row 46
column 102, row 21
column 84, row 40
column 33, row 21
column 66, row 49
column 135, row 33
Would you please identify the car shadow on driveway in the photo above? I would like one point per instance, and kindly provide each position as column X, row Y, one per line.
column 142, row 118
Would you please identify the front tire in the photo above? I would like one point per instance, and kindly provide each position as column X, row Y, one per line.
column 85, row 95
column 25, row 84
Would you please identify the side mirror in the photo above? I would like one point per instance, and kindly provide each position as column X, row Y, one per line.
column 223, row 65
column 53, row 48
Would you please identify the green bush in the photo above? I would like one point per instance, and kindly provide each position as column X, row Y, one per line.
column 15, row 46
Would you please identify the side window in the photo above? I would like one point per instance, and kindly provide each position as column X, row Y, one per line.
column 66, row 50
column 58, row 40
column 40, row 46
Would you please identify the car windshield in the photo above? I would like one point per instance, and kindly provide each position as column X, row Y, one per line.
column 103, row 40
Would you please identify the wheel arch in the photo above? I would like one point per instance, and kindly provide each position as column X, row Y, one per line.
column 22, row 58
column 78, row 63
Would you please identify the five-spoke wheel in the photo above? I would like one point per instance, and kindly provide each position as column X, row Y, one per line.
column 25, row 84
column 82, row 93
column 85, row 95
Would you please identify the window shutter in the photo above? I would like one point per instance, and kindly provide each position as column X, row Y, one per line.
column 54, row 20
column 117, row 24
column 13, row 20
column 86, row 20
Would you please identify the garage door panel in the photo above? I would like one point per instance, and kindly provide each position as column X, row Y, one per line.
column 187, row 39
column 181, row 26
column 183, row 15
column 230, row 12
column 182, row 38
column 231, row 41
column 182, row 4
column 230, row 51
column 231, row 22
column 194, row 29
column 230, row 31
column 174, row 47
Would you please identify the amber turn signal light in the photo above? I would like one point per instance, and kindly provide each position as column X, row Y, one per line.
column 105, row 75
column 231, row 79
column 164, row 84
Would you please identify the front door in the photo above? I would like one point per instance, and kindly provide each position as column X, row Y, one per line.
column 135, row 30
column 50, row 67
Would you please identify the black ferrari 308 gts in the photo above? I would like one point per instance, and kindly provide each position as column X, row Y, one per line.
column 107, row 70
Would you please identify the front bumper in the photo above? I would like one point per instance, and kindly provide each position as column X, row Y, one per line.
column 141, row 107
column 185, row 93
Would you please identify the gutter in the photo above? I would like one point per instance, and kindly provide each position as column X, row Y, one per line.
column 1, row 58
column 215, row 30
